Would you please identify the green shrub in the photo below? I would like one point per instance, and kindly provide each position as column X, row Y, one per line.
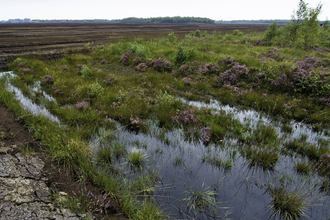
column 86, row 73
column 182, row 55
column 271, row 32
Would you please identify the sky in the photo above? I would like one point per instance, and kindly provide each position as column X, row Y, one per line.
column 118, row 9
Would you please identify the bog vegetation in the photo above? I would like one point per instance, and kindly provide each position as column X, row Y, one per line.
column 140, row 87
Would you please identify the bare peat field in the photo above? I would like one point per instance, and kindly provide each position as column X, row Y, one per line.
column 51, row 40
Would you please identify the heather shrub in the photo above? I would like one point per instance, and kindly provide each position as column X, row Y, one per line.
column 137, row 60
column 189, row 68
column 47, row 80
column 110, row 80
column 141, row 67
column 232, row 76
column 273, row 55
column 126, row 57
column 198, row 68
column 161, row 65
column 226, row 63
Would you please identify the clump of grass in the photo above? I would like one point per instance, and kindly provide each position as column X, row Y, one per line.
column 199, row 200
column 219, row 162
column 326, row 185
column 265, row 134
column 265, row 158
column 303, row 167
column 289, row 205
column 178, row 161
column 287, row 128
column 136, row 158
column 104, row 154
column 118, row 149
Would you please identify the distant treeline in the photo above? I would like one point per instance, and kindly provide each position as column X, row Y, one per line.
column 156, row 20
column 17, row 20
column 254, row 21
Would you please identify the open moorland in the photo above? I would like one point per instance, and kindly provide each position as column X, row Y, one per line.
column 189, row 124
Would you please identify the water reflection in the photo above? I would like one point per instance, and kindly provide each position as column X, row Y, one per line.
column 27, row 103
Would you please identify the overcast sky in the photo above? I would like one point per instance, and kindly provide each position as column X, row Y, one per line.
column 117, row 9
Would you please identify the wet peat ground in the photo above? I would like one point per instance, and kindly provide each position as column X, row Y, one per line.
column 15, row 137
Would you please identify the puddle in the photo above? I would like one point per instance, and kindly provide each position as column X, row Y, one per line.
column 27, row 103
column 252, row 118
column 242, row 190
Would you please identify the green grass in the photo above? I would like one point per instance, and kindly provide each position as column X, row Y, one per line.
column 287, row 205
column 136, row 158
column 303, row 167
column 264, row 158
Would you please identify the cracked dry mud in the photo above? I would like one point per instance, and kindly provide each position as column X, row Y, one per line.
column 23, row 190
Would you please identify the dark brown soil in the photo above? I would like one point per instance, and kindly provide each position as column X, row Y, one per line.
column 52, row 40
column 60, row 180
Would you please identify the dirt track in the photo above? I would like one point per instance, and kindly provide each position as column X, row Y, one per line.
column 51, row 40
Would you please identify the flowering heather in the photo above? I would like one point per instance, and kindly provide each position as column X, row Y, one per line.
column 199, row 68
column 136, row 123
column 80, row 65
column 63, row 67
column 207, row 69
column 206, row 139
column 161, row 65
column 104, row 61
column 141, row 67
column 232, row 75
column 92, row 204
column 149, row 62
column 58, row 91
column 186, row 117
column 125, row 58
column 226, row 63
column 186, row 81
column 21, row 64
column 26, row 70
column 110, row 80
column 273, row 55
column 47, row 80
column 82, row 105
column 289, row 106
column 96, row 69
column 189, row 68
column 137, row 60
column 325, row 101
